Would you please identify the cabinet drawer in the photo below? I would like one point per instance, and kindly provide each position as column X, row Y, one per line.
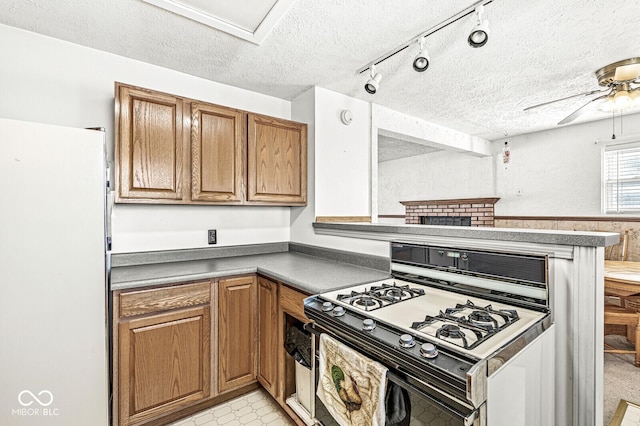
column 163, row 299
column 291, row 301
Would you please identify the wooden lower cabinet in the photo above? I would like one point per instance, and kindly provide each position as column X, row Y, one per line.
column 162, row 351
column 182, row 348
column 164, row 361
column 268, row 335
column 290, row 311
column 236, row 332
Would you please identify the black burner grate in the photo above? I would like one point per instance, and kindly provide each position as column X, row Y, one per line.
column 467, row 329
column 379, row 296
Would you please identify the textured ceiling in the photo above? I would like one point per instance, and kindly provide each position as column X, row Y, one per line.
column 393, row 148
column 538, row 50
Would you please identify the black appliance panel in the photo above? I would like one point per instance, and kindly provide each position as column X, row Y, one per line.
column 518, row 267
column 409, row 253
column 525, row 268
column 443, row 257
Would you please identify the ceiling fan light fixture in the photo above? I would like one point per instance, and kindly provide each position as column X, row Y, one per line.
column 479, row 35
column 608, row 105
column 371, row 86
column 628, row 72
column 621, row 99
column 421, row 61
column 634, row 96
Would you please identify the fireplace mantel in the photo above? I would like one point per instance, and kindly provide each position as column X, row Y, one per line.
column 480, row 210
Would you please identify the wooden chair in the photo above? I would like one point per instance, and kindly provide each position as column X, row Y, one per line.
column 624, row 248
column 623, row 255
column 617, row 315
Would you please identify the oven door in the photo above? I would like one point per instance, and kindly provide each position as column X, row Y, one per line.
column 424, row 403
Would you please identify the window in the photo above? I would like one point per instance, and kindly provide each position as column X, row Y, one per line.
column 621, row 178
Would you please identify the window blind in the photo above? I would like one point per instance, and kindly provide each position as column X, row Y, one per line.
column 621, row 176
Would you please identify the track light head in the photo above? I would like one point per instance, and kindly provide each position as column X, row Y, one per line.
column 421, row 61
column 371, row 86
column 479, row 35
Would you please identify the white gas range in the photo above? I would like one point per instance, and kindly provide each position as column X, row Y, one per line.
column 455, row 327
column 469, row 325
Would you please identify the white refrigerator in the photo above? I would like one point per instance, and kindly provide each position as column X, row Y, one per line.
column 54, row 264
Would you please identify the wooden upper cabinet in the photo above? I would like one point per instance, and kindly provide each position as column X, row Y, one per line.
column 174, row 150
column 277, row 161
column 217, row 153
column 149, row 146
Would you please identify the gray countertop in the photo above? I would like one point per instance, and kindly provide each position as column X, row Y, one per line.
column 388, row 232
column 316, row 270
column 306, row 273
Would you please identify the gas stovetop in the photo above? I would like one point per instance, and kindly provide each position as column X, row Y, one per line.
column 464, row 324
column 446, row 320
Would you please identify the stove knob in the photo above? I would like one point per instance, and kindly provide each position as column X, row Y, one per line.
column 406, row 341
column 327, row 306
column 368, row 324
column 338, row 311
column 428, row 350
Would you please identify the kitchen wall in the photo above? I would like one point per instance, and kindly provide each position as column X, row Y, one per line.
column 434, row 176
column 339, row 181
column 343, row 156
column 551, row 173
column 556, row 172
column 51, row 81
column 460, row 168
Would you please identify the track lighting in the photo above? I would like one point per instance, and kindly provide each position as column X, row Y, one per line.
column 480, row 33
column 477, row 38
column 421, row 61
column 371, row 85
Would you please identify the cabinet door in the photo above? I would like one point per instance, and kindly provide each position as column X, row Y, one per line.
column 268, row 334
column 217, row 153
column 277, row 161
column 291, row 311
column 236, row 332
column 164, row 362
column 149, row 146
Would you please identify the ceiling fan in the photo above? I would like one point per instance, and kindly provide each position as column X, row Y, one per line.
column 621, row 82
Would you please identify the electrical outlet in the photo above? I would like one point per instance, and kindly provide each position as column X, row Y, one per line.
column 212, row 236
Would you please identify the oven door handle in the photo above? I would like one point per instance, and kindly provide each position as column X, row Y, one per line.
column 477, row 417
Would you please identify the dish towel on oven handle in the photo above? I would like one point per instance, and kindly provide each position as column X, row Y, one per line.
column 351, row 386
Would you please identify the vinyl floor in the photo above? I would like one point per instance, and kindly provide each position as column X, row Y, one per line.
column 255, row 408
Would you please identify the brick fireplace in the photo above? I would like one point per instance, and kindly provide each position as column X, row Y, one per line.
column 456, row 212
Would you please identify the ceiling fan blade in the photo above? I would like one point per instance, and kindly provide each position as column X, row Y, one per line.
column 582, row 110
column 592, row 92
column 627, row 72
